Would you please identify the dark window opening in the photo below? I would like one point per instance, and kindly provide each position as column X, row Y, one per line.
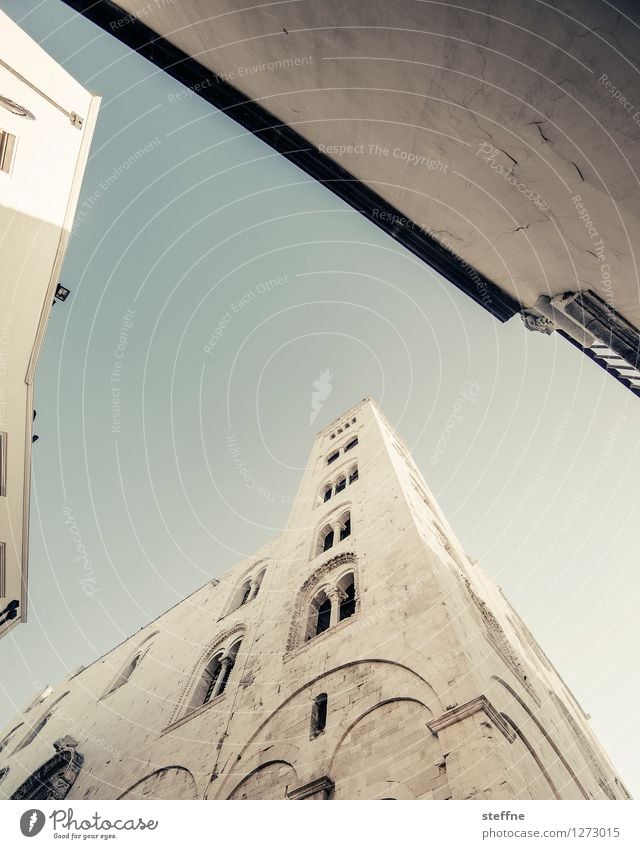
column 333, row 457
column 214, row 674
column 328, row 541
column 351, row 444
column 246, row 593
column 340, row 485
column 345, row 530
column 353, row 477
column 324, row 616
column 327, row 493
column 348, row 604
column 319, row 714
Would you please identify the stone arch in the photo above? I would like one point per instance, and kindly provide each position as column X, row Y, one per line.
column 272, row 780
column 223, row 640
column 299, row 619
column 166, row 784
column 246, row 587
column 332, row 523
column 260, row 746
column 55, row 778
column 534, row 755
column 544, row 733
column 382, row 749
column 128, row 668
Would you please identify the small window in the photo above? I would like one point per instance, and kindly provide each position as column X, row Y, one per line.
column 327, row 493
column 319, row 714
column 328, row 540
column 3, row 463
column 341, row 484
column 351, row 444
column 7, row 151
column 353, row 475
column 332, row 457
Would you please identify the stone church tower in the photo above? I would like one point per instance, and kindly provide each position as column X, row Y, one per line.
column 358, row 655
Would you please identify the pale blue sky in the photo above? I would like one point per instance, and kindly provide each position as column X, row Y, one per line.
column 205, row 216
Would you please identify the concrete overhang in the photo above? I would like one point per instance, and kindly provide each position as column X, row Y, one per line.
column 497, row 140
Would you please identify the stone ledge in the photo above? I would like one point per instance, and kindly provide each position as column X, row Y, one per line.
column 480, row 703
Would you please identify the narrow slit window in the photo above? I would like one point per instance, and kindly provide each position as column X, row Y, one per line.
column 353, row 476
column 319, row 714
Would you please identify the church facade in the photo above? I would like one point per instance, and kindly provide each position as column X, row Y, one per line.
column 359, row 655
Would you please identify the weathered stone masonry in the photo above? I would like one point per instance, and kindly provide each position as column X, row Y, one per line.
column 358, row 655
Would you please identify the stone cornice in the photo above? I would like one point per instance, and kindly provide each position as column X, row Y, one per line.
column 457, row 714
column 318, row 785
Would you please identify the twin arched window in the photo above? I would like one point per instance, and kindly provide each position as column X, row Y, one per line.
column 215, row 676
column 246, row 591
column 335, row 453
column 330, row 605
column 339, row 484
column 333, row 532
column 130, row 666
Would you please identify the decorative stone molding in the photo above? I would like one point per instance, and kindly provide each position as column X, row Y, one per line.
column 457, row 714
column 55, row 778
column 319, row 788
column 308, row 588
column 500, row 641
column 534, row 321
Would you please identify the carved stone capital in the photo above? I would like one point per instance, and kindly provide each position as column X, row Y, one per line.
column 534, row 321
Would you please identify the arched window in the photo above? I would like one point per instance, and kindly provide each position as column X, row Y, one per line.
column 40, row 724
column 327, row 598
column 326, row 538
column 7, row 737
column 351, row 444
column 210, row 678
column 215, row 676
column 245, row 592
column 319, row 714
column 327, row 492
column 341, row 483
column 319, row 618
column 353, row 475
column 345, row 526
column 347, row 588
column 130, row 666
column 55, row 778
